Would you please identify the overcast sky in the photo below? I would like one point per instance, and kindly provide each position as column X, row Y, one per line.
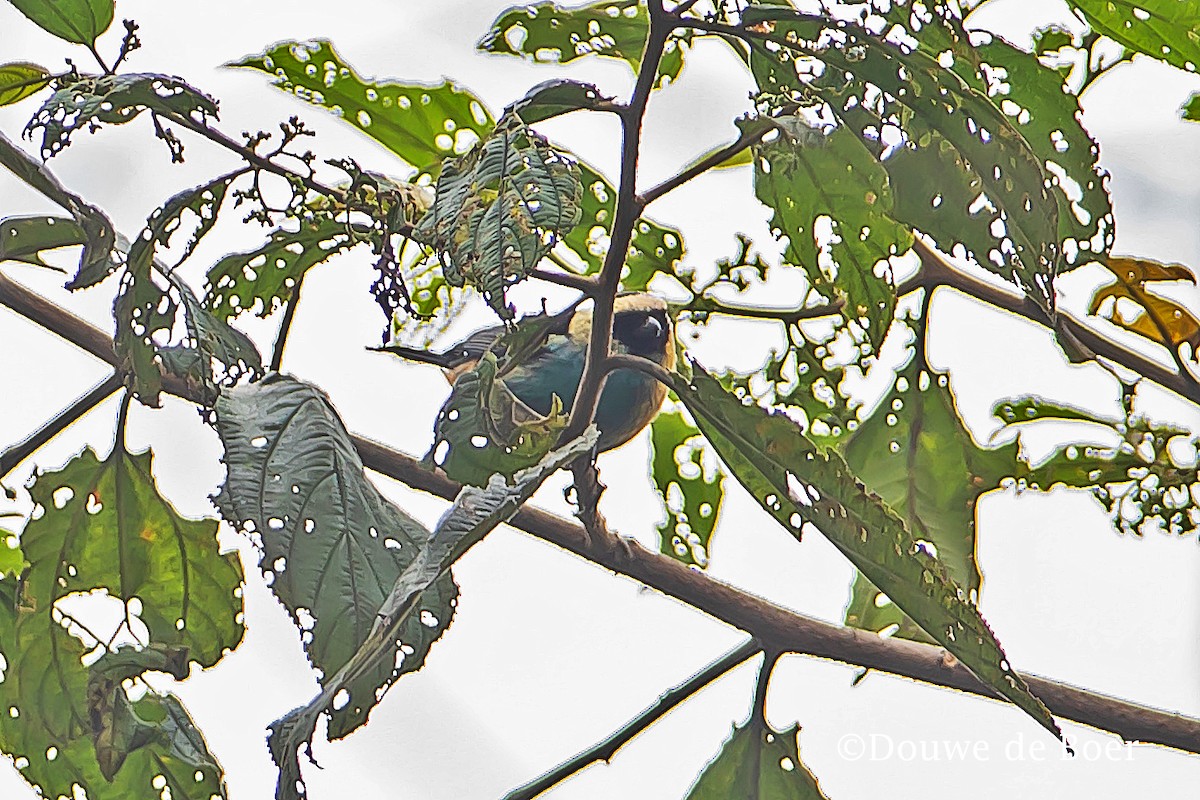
column 549, row 654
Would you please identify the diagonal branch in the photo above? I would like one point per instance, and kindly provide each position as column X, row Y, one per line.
column 606, row 749
column 775, row 627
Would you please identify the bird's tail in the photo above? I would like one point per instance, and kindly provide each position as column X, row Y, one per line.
column 443, row 360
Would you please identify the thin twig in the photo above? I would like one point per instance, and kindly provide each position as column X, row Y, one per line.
column 14, row 455
column 583, row 283
column 704, row 305
column 749, row 137
column 285, row 325
column 774, row 626
column 606, row 749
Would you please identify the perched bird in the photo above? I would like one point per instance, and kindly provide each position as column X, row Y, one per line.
column 641, row 327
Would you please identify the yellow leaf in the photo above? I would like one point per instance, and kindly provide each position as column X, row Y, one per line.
column 1157, row 318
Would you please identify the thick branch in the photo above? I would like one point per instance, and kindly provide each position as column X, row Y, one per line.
column 629, row 208
column 775, row 627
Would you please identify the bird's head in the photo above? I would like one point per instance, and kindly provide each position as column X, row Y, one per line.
column 641, row 327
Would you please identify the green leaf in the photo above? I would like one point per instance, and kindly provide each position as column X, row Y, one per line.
column 1191, row 109
column 24, row 238
column 807, row 175
column 483, row 429
column 19, row 80
column 653, row 248
column 78, row 21
column 99, row 233
column 420, row 124
column 992, row 194
column 114, row 99
column 1168, row 30
column 51, row 734
column 691, row 493
column 803, row 486
column 12, row 560
column 499, row 210
column 104, row 526
column 554, row 98
column 332, row 545
column 758, row 762
column 101, row 525
column 1138, row 480
column 262, row 280
column 548, row 33
column 917, row 455
column 473, row 515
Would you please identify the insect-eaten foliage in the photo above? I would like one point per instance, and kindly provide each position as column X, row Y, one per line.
column 115, row 99
column 916, row 454
column 690, row 486
column 802, row 486
column 758, row 761
column 1143, row 472
column 552, row 33
column 1134, row 305
column 332, row 545
column 102, row 534
column 500, row 209
column 421, row 124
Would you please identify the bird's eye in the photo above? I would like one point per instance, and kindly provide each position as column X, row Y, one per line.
column 652, row 327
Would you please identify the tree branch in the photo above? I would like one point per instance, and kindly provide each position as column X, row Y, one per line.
column 749, row 137
column 606, row 749
column 935, row 271
column 628, row 210
column 774, row 627
column 14, row 455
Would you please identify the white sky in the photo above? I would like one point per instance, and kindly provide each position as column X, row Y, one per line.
column 547, row 653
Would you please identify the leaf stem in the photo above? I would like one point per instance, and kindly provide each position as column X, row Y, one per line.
column 14, row 455
column 285, row 325
column 606, row 749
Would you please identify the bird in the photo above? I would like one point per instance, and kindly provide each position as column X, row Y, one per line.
column 631, row 399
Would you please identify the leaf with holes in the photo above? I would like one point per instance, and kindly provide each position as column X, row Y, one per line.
column 113, row 99
column 806, row 176
column 653, row 248
column 499, row 210
column 58, row 734
column 473, row 515
column 101, row 525
column 1164, row 29
column 1035, row 99
column 916, row 118
column 77, row 21
column 421, row 124
column 553, row 98
column 1133, row 468
column 19, row 80
column 484, row 430
column 262, row 280
column 331, row 544
column 1153, row 316
column 24, row 238
column 145, row 316
column 800, row 484
column 758, row 761
column 105, row 526
column 548, row 33
column 691, row 490
column 917, row 455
